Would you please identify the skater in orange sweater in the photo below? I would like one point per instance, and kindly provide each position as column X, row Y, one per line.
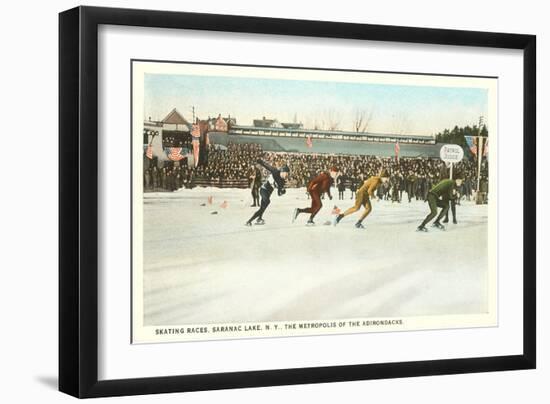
column 363, row 196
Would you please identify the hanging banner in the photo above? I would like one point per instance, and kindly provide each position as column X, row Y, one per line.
column 174, row 153
column 397, row 149
column 196, row 141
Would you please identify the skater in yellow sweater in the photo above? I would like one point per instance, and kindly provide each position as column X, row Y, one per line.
column 363, row 195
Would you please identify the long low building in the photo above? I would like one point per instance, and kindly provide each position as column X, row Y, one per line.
column 328, row 146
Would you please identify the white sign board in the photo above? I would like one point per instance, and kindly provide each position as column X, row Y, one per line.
column 451, row 153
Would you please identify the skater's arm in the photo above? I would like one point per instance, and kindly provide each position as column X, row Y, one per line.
column 328, row 185
column 280, row 185
column 269, row 168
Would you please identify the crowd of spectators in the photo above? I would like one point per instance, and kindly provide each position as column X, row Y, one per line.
column 415, row 176
column 231, row 163
column 236, row 165
column 168, row 178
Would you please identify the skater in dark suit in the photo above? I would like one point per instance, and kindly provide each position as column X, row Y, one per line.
column 276, row 179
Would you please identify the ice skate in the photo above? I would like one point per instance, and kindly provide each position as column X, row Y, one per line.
column 422, row 229
column 248, row 224
column 338, row 218
column 260, row 222
column 310, row 223
column 359, row 225
column 295, row 215
column 438, row 226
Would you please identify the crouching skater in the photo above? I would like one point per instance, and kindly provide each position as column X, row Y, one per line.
column 276, row 179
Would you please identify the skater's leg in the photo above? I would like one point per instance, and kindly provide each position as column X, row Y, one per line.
column 354, row 208
column 264, row 203
column 303, row 210
column 453, row 210
column 306, row 210
column 316, row 205
column 444, row 205
column 263, row 206
column 368, row 209
column 257, row 214
column 432, row 202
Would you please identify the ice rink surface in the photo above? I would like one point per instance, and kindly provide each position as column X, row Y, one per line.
column 206, row 267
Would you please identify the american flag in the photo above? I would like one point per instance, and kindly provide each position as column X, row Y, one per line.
column 174, row 153
column 309, row 142
column 149, row 152
column 196, row 130
column 472, row 144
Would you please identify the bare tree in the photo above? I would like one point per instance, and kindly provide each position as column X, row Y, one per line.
column 331, row 120
column 316, row 125
column 362, row 119
column 401, row 123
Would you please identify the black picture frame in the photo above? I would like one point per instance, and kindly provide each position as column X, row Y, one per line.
column 78, row 201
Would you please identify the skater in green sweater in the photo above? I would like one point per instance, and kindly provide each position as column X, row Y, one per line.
column 439, row 197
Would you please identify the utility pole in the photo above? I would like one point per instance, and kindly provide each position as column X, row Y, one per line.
column 193, row 111
column 479, row 157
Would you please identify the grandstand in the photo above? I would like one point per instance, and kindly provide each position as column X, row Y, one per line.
column 325, row 142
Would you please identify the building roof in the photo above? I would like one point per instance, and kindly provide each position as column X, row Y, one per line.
column 304, row 132
column 175, row 118
column 264, row 123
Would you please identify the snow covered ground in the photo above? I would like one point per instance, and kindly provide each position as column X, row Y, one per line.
column 201, row 267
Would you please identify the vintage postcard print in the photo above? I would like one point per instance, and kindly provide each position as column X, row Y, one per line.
column 271, row 202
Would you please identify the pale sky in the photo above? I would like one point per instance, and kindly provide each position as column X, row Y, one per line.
column 400, row 109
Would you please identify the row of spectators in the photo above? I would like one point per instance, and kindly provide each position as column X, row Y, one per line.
column 237, row 163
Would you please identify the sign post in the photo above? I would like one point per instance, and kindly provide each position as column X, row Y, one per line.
column 451, row 153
